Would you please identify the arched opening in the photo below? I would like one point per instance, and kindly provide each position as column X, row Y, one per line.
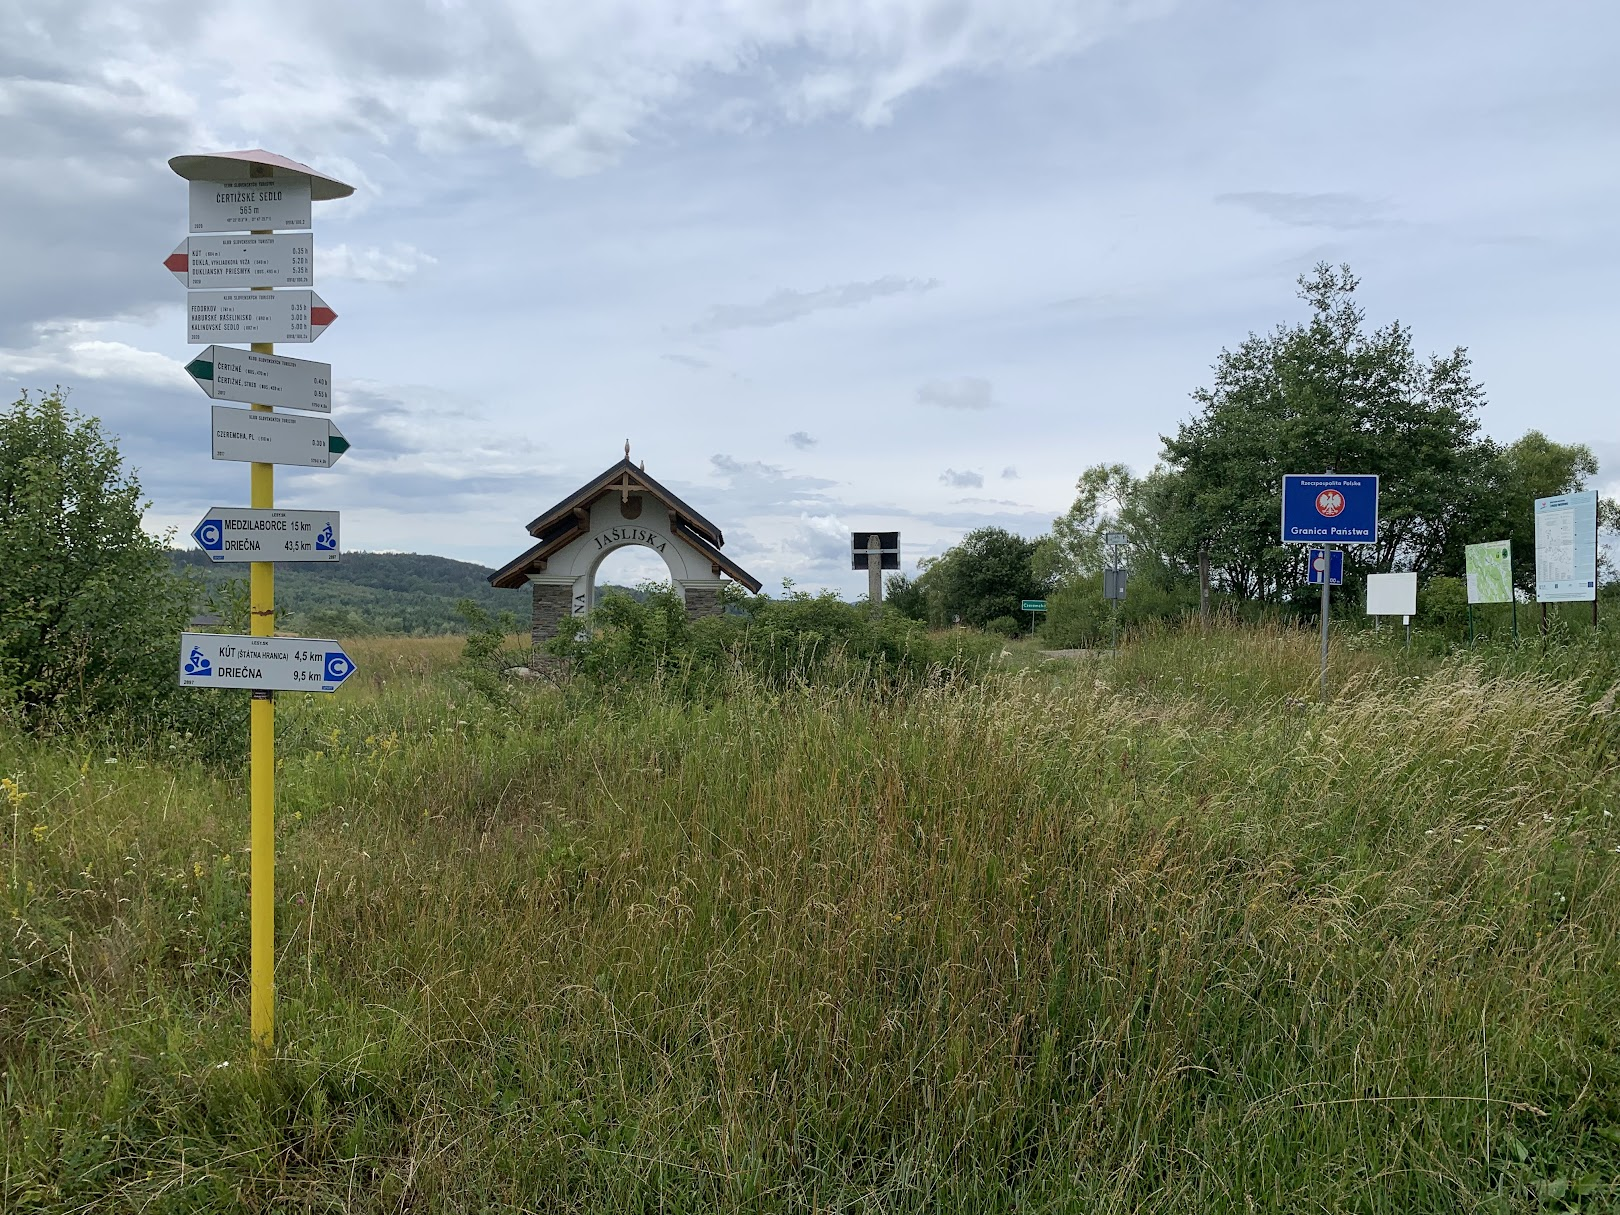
column 628, row 567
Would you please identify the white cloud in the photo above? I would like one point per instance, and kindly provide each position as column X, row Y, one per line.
column 802, row 440
column 574, row 85
column 961, row 480
column 72, row 351
column 368, row 264
column 786, row 305
column 1304, row 210
column 968, row 392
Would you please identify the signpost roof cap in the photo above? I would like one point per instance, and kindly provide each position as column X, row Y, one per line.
column 226, row 166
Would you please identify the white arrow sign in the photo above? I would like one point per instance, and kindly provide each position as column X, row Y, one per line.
column 240, row 262
column 276, row 438
column 282, row 664
column 256, row 316
column 242, row 533
column 246, row 206
column 228, row 374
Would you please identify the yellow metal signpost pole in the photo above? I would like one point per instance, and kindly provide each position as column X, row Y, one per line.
column 262, row 773
column 231, row 167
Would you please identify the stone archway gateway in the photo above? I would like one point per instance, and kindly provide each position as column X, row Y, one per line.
column 620, row 507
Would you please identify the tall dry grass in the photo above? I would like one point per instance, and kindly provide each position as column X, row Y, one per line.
column 1160, row 935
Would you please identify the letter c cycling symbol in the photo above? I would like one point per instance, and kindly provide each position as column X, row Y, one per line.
column 1329, row 503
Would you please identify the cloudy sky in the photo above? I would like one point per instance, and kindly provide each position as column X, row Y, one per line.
column 827, row 264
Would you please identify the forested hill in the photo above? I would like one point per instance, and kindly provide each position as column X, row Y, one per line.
column 372, row 592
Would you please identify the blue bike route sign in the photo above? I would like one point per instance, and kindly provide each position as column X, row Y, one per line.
column 1329, row 508
column 280, row 664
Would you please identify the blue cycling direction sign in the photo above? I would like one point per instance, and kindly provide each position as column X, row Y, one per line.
column 242, row 533
column 1335, row 562
column 1329, row 508
column 279, row 664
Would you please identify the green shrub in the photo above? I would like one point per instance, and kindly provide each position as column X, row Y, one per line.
column 799, row 638
column 90, row 610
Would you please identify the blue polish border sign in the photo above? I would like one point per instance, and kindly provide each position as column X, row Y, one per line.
column 1327, row 508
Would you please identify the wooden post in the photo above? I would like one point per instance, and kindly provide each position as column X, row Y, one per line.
column 1203, row 589
column 874, row 573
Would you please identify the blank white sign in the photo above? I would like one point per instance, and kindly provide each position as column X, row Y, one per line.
column 1392, row 594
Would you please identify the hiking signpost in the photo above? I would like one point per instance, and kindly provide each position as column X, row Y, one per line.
column 1328, row 509
column 1488, row 568
column 233, row 269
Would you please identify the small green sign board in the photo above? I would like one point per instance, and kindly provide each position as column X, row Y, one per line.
column 1490, row 572
column 1034, row 605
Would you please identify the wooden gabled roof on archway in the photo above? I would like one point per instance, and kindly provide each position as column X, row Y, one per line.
column 571, row 518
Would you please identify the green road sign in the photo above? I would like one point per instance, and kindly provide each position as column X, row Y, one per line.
column 1034, row 605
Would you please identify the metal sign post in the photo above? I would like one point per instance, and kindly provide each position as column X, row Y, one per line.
column 1032, row 606
column 1327, row 584
column 1114, row 579
column 257, row 192
column 1328, row 509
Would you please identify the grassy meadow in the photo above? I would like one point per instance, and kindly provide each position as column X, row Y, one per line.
column 1158, row 933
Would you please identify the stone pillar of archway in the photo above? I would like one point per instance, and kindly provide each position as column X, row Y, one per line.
column 702, row 598
column 553, row 603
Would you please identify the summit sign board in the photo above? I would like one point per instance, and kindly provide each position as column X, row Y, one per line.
column 1329, row 508
column 250, row 206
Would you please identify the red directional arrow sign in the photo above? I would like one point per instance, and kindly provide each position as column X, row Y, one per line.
column 256, row 316
column 238, row 263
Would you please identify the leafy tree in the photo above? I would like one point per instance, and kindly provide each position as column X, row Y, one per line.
column 90, row 612
column 985, row 576
column 907, row 596
column 1074, row 549
column 1324, row 394
column 1533, row 467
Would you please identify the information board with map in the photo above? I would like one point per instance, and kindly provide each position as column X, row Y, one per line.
column 1490, row 572
column 1566, row 547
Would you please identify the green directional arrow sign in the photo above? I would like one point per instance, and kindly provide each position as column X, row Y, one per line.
column 254, row 378
column 276, row 438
